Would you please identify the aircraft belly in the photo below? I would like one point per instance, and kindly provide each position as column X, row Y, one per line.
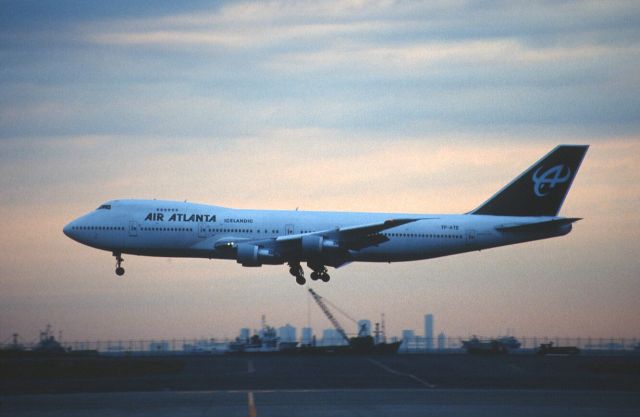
column 158, row 244
column 174, row 253
column 397, row 252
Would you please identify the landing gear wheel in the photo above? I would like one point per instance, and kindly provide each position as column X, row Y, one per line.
column 119, row 261
column 319, row 272
column 296, row 270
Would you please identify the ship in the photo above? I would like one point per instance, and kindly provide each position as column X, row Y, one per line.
column 500, row 345
column 264, row 341
column 550, row 349
column 47, row 346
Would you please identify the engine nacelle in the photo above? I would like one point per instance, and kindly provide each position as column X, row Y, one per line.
column 314, row 247
column 253, row 255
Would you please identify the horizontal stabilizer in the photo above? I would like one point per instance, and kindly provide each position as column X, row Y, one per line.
column 537, row 226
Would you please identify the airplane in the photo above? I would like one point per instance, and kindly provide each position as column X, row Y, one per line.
column 526, row 209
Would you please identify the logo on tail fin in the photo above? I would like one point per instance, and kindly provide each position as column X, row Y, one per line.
column 550, row 177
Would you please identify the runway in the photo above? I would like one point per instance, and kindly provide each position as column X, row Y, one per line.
column 403, row 385
column 328, row 403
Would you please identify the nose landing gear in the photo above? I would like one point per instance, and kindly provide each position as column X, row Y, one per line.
column 296, row 270
column 119, row 261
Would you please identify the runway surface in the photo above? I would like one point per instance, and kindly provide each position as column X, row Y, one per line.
column 325, row 403
column 404, row 385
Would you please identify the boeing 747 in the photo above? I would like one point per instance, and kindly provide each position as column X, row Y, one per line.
column 524, row 210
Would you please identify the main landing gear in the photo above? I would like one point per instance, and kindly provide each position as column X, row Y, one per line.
column 296, row 270
column 119, row 261
column 319, row 272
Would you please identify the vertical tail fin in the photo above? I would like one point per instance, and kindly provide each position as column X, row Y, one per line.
column 541, row 189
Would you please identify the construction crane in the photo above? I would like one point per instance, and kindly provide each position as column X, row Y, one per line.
column 363, row 343
column 330, row 316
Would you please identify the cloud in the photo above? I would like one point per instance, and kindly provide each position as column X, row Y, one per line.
column 254, row 24
column 401, row 67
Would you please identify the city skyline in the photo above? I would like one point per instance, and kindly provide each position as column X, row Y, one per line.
column 348, row 106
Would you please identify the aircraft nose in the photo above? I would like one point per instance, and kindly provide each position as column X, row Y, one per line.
column 68, row 230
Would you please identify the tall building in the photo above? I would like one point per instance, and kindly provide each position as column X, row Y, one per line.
column 366, row 325
column 428, row 331
column 287, row 333
column 307, row 335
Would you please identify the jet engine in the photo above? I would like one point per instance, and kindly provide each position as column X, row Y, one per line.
column 314, row 247
column 253, row 255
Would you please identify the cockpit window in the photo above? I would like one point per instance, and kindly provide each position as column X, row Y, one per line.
column 105, row 207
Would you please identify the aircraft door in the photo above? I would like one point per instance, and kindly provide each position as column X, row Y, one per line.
column 133, row 228
column 471, row 238
column 288, row 229
column 202, row 230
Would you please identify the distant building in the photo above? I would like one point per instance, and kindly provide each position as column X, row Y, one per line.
column 306, row 336
column 115, row 350
column 366, row 326
column 442, row 341
column 428, row 331
column 331, row 337
column 206, row 345
column 408, row 340
column 161, row 346
column 287, row 333
column 245, row 333
column 408, row 335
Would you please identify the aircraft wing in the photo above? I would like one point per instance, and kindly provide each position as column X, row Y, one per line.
column 353, row 237
column 338, row 241
column 362, row 236
column 345, row 238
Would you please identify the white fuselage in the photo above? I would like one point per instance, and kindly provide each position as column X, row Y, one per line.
column 181, row 229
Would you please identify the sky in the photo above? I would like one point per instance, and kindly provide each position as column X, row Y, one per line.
column 381, row 106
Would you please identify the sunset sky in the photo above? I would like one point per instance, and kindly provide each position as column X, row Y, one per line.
column 384, row 106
